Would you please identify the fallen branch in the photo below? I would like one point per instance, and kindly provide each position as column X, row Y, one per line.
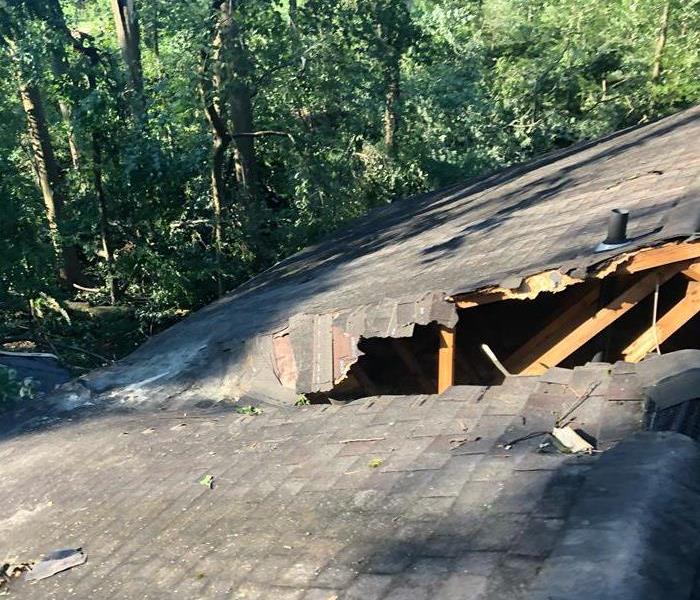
column 86, row 289
column 350, row 441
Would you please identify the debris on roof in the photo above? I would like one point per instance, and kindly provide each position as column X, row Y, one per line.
column 56, row 562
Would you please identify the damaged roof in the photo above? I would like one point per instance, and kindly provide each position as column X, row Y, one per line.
column 295, row 328
column 384, row 498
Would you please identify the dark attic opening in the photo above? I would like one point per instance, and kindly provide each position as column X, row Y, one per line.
column 391, row 366
column 649, row 303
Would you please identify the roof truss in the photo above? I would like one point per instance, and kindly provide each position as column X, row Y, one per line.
column 684, row 310
column 536, row 358
column 584, row 319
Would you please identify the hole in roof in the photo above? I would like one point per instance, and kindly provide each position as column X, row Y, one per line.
column 409, row 366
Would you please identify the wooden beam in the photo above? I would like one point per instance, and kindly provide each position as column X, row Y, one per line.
column 575, row 314
column 446, row 359
column 692, row 272
column 658, row 257
column 544, row 357
column 667, row 325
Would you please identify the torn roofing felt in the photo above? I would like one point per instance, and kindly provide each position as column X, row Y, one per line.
column 295, row 328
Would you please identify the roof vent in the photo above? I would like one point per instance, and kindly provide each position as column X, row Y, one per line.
column 617, row 231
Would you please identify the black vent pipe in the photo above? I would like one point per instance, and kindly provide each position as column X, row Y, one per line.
column 617, row 227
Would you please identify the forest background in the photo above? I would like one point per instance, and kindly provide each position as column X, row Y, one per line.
column 156, row 153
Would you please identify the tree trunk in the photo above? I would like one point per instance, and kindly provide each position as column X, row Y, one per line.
column 49, row 179
column 56, row 20
column 391, row 115
column 221, row 140
column 127, row 25
column 660, row 43
column 59, row 69
column 217, row 195
column 292, row 12
column 52, row 12
column 241, row 111
column 233, row 71
column 394, row 33
column 102, row 210
column 156, row 30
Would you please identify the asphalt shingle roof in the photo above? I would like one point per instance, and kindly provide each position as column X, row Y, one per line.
column 449, row 509
column 392, row 269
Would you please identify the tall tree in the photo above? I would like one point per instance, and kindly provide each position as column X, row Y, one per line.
column 233, row 73
column 127, row 25
column 221, row 140
column 661, row 42
column 395, row 34
column 51, row 12
column 48, row 172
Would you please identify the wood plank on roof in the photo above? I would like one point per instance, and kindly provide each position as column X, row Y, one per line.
column 684, row 310
column 544, row 357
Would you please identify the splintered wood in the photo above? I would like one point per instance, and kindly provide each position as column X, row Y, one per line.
column 555, row 281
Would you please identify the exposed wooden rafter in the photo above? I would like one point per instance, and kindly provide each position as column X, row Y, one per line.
column 658, row 257
column 572, row 316
column 446, row 359
column 537, row 357
column 666, row 326
column 693, row 271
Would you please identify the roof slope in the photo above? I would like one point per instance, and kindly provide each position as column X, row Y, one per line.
column 296, row 510
column 393, row 268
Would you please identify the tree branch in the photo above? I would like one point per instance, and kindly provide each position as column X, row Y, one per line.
column 263, row 133
column 215, row 120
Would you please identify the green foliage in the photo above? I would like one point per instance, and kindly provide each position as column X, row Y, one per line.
column 483, row 84
column 12, row 389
